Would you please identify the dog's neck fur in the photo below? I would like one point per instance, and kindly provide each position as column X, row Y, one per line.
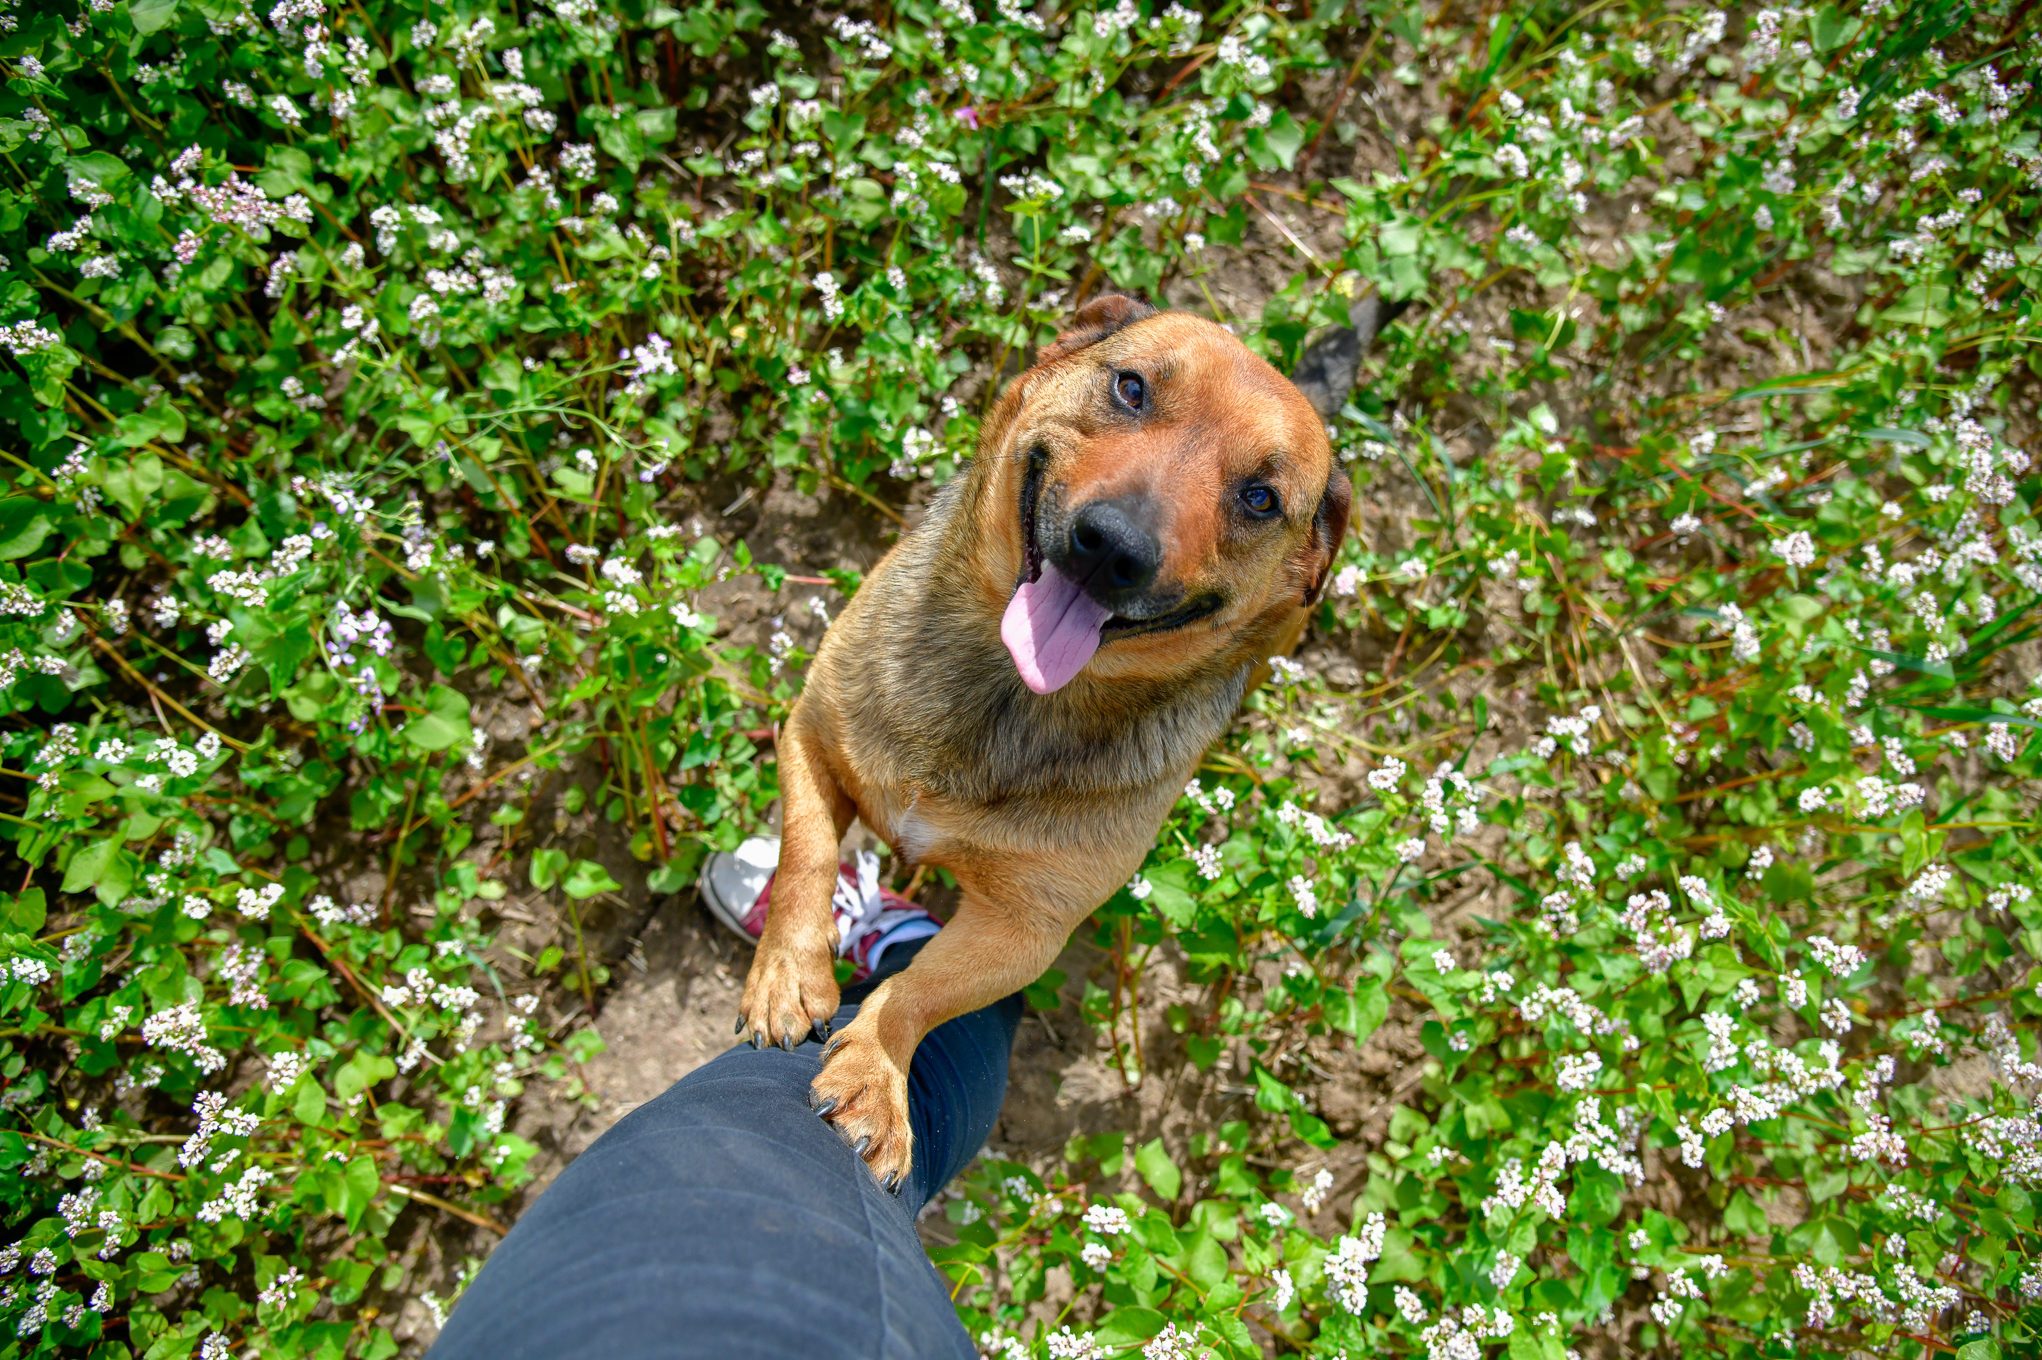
column 982, row 737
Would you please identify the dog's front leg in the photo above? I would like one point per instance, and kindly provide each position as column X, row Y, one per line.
column 993, row 946
column 792, row 987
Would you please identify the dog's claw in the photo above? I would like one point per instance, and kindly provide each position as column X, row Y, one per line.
column 758, row 1040
column 867, row 1091
column 787, row 1043
column 822, row 1029
column 740, row 1026
column 826, row 1107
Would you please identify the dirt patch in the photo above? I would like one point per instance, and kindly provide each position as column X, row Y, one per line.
column 668, row 1011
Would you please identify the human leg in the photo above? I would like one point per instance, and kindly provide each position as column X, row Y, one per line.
column 725, row 1219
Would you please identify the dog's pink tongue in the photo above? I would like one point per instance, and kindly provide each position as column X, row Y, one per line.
column 1051, row 629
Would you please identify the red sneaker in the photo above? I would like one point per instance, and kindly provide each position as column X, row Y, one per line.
column 737, row 887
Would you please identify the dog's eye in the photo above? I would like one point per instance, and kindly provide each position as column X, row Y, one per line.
column 1260, row 500
column 1130, row 390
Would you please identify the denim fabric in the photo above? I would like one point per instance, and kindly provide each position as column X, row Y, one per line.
column 726, row 1220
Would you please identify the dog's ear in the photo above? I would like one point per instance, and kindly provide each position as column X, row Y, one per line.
column 1093, row 322
column 1329, row 528
column 1326, row 371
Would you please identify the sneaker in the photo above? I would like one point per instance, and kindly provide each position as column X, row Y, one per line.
column 737, row 887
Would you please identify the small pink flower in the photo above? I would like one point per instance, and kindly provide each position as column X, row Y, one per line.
column 969, row 115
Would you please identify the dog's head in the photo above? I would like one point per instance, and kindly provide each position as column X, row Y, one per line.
column 1163, row 497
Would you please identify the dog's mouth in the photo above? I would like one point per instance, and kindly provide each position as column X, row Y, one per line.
column 1053, row 626
column 1121, row 626
column 1031, row 500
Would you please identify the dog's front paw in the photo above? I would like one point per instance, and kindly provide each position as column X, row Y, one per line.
column 788, row 995
column 864, row 1093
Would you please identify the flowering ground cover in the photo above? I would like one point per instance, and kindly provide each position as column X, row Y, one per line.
column 1612, row 934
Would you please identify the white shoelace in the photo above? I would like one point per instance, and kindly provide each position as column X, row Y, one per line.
column 857, row 905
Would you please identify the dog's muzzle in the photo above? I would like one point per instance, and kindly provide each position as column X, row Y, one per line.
column 1110, row 547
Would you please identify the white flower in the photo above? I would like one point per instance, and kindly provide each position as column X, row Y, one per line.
column 1314, row 1195
column 1578, row 1071
column 1797, row 549
column 1347, row 1267
column 1065, row 1344
column 1107, row 1219
column 1387, row 775
column 1172, row 1344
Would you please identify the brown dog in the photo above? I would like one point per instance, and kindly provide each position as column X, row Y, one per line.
column 1025, row 682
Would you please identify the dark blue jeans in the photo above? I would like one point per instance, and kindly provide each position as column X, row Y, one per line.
column 726, row 1220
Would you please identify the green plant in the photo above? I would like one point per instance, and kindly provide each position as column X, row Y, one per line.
column 1658, row 790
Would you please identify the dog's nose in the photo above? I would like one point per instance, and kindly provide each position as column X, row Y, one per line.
column 1111, row 552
